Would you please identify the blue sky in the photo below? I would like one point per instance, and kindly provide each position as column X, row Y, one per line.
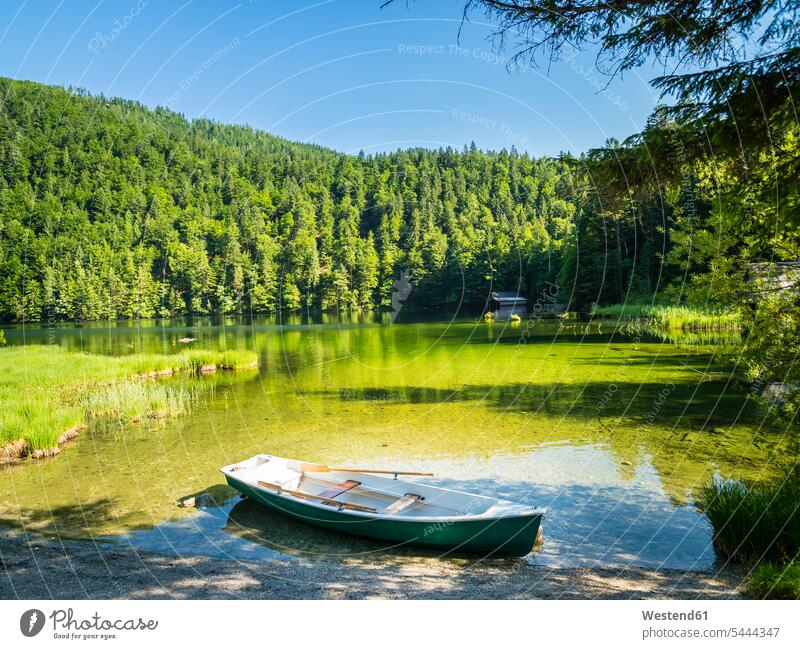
column 341, row 73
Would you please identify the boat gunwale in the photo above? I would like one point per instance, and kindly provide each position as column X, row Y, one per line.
column 523, row 512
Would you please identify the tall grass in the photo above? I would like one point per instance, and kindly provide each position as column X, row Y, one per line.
column 144, row 364
column 40, row 422
column 769, row 581
column 126, row 401
column 198, row 360
column 237, row 359
column 663, row 317
column 45, row 390
column 683, row 317
column 193, row 360
column 755, row 523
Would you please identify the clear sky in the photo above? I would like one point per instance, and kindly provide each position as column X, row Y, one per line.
column 341, row 73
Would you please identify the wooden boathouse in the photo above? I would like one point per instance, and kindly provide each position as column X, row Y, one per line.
column 504, row 304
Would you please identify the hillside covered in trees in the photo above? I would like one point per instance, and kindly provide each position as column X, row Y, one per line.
column 111, row 210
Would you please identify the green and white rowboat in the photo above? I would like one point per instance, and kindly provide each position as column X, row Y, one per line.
column 365, row 503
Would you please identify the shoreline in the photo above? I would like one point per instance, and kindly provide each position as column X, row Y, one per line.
column 36, row 567
column 19, row 450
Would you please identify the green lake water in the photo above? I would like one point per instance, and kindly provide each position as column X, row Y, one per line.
column 612, row 433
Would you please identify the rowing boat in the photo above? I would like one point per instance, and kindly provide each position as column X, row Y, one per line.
column 379, row 504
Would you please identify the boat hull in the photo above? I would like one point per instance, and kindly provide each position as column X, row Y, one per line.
column 512, row 535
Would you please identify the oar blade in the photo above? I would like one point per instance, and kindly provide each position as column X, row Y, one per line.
column 307, row 467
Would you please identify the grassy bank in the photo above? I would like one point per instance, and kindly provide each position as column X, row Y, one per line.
column 759, row 525
column 769, row 581
column 46, row 391
column 671, row 317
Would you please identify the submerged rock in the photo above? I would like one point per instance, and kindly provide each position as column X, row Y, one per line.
column 40, row 453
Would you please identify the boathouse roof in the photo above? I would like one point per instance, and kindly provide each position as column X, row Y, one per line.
column 508, row 297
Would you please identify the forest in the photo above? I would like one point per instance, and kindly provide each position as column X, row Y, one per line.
column 110, row 210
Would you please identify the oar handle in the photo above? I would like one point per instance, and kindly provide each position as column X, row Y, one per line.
column 384, row 471
column 307, row 467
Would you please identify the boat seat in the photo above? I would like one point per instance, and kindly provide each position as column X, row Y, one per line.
column 339, row 489
column 402, row 503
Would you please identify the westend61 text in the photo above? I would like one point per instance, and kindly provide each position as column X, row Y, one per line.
column 670, row 615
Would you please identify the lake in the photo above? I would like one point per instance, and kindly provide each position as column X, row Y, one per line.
column 612, row 432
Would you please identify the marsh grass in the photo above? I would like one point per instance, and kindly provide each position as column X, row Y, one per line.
column 232, row 359
column 45, row 390
column 40, row 422
column 683, row 317
column 123, row 402
column 661, row 317
column 769, row 581
column 143, row 364
column 45, row 429
column 197, row 359
column 237, row 359
column 755, row 523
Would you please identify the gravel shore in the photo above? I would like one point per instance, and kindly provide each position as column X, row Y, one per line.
column 43, row 568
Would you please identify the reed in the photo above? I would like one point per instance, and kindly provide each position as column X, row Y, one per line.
column 237, row 359
column 123, row 402
column 683, row 317
column 45, row 428
column 38, row 420
column 665, row 318
column 233, row 359
column 754, row 523
column 143, row 364
column 199, row 360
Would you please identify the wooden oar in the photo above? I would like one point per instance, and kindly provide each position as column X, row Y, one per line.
column 327, row 501
column 324, row 468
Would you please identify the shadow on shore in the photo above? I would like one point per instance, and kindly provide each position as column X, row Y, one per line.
column 38, row 568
